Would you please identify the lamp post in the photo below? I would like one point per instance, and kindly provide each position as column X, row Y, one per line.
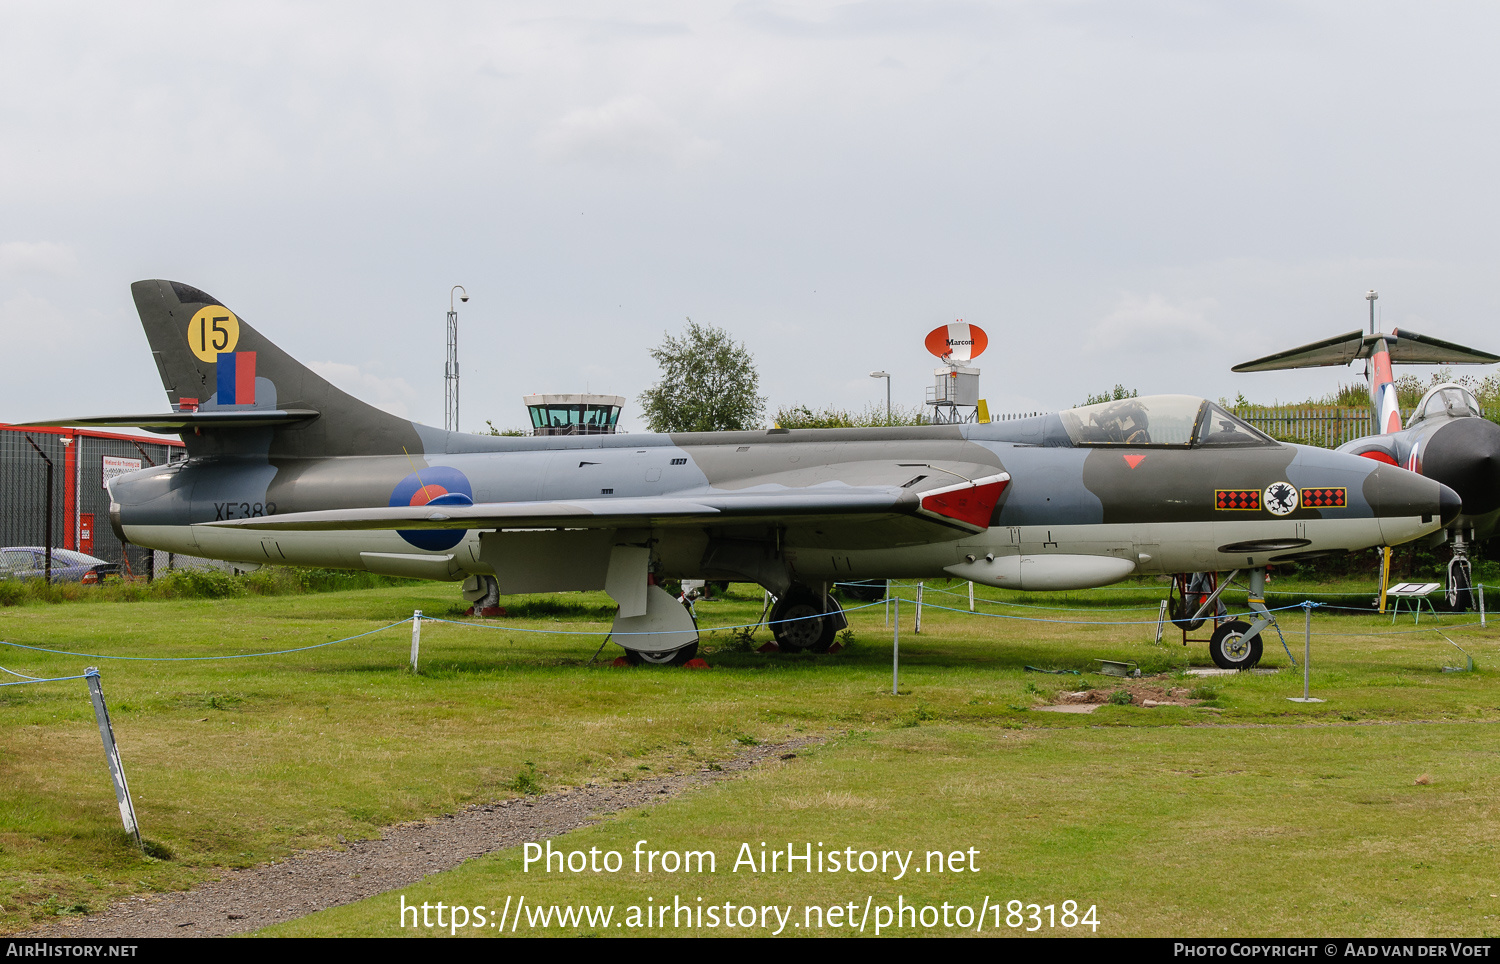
column 450, row 371
column 887, row 377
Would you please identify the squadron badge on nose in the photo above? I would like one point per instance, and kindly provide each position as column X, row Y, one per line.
column 1281, row 498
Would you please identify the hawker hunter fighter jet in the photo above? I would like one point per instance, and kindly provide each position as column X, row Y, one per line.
column 1449, row 439
column 285, row 469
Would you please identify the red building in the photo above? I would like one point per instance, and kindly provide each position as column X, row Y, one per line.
column 82, row 460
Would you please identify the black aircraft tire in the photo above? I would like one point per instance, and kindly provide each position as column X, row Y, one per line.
column 675, row 657
column 796, row 626
column 1460, row 588
column 1228, row 648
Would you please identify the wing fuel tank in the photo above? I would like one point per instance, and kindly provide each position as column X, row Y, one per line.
column 1050, row 571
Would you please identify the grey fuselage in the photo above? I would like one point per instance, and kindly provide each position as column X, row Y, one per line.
column 1071, row 516
column 1451, row 442
column 284, row 468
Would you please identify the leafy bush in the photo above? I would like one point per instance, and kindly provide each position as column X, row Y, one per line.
column 800, row 416
column 196, row 583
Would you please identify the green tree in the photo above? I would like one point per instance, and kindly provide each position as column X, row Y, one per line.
column 1117, row 393
column 708, row 384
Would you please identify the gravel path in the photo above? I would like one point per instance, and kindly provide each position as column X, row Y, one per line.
column 247, row 900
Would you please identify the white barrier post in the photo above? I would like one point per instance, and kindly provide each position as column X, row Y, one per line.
column 971, row 597
column 1482, row 622
column 416, row 637
column 917, row 626
column 896, row 649
column 112, row 756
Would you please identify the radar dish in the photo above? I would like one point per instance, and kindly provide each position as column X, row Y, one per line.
column 958, row 342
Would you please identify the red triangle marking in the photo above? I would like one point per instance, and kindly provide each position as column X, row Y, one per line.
column 1133, row 460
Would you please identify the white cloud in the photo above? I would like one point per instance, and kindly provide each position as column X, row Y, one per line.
column 1145, row 324
column 390, row 394
column 624, row 131
column 31, row 322
column 37, row 257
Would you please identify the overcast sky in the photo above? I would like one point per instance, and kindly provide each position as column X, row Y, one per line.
column 1143, row 193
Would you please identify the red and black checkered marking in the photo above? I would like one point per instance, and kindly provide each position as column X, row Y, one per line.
column 1236, row 498
column 1324, row 498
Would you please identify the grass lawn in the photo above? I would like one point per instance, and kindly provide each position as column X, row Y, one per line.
column 1248, row 814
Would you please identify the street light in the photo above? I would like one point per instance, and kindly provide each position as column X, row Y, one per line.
column 887, row 377
column 450, row 370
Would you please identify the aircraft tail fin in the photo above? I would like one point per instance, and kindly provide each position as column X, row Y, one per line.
column 240, row 394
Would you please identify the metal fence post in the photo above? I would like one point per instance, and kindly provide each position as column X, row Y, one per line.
column 917, row 626
column 1307, row 608
column 896, row 649
column 47, row 537
column 416, row 637
column 112, row 757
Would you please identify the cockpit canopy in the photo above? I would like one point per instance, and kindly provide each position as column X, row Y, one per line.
column 1447, row 399
column 1159, row 421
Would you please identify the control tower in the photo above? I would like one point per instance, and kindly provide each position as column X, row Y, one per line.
column 574, row 414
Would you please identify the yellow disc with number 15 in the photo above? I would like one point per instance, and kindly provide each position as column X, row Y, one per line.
column 212, row 330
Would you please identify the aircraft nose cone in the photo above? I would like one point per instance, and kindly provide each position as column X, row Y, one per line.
column 1465, row 456
column 1408, row 504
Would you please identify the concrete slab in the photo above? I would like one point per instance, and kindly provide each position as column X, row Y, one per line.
column 1216, row 671
column 1071, row 708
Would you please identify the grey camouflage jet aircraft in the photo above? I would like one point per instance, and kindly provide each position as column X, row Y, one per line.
column 284, row 468
column 1449, row 439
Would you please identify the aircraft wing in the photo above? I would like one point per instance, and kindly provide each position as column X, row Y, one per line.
column 184, row 421
column 967, row 506
column 1415, row 349
column 1406, row 347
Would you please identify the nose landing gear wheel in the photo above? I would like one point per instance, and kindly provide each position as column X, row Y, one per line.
column 673, row 657
column 1460, row 585
column 1230, row 649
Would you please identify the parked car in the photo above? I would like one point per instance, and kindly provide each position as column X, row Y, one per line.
column 29, row 562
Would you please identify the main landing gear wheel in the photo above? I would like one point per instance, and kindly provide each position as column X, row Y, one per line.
column 801, row 621
column 673, row 657
column 1230, row 649
column 1460, row 585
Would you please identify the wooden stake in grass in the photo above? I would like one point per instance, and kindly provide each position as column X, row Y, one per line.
column 416, row 637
